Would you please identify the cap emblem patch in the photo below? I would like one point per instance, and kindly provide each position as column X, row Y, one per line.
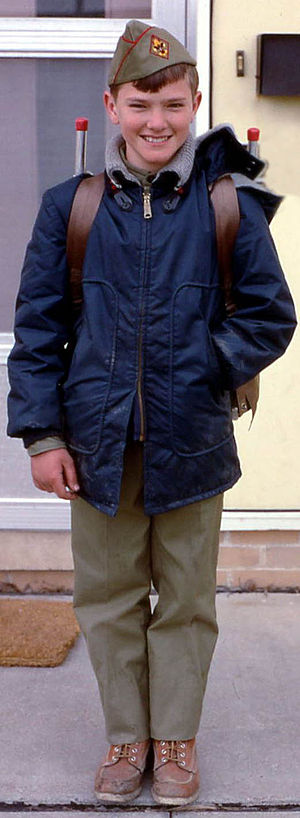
column 159, row 48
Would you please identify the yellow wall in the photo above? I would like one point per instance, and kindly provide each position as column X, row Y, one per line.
column 270, row 451
column 236, row 25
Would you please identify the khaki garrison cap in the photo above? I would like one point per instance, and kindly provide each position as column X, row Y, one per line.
column 142, row 50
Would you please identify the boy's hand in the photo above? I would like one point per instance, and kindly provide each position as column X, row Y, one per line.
column 55, row 471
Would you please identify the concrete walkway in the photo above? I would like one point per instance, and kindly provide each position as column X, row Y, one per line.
column 52, row 731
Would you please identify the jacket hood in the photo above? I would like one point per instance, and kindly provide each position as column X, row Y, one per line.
column 219, row 152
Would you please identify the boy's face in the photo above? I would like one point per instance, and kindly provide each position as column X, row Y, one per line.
column 154, row 124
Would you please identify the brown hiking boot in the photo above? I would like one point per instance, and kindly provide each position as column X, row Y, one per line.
column 176, row 774
column 119, row 777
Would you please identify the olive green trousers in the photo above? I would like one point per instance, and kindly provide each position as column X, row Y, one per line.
column 151, row 668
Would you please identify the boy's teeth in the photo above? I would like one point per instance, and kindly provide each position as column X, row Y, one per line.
column 155, row 138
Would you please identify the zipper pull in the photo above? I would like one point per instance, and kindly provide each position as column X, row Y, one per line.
column 147, row 205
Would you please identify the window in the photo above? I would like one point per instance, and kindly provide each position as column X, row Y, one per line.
column 42, row 98
column 75, row 8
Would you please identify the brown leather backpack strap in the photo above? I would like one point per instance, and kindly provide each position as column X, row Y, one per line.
column 227, row 217
column 84, row 208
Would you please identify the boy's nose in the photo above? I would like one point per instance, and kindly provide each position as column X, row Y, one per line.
column 156, row 121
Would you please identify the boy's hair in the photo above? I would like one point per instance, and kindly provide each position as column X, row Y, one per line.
column 159, row 79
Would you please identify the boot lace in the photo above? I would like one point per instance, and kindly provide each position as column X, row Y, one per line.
column 125, row 751
column 173, row 751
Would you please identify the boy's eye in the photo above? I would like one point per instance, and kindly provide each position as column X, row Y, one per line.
column 140, row 106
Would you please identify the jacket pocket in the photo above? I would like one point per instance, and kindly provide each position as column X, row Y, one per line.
column 86, row 390
column 199, row 408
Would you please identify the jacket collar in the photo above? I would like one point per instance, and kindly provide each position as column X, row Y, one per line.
column 181, row 164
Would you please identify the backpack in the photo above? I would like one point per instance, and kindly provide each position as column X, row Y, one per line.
column 227, row 218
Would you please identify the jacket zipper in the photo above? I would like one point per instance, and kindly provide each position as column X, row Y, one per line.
column 147, row 204
column 147, row 215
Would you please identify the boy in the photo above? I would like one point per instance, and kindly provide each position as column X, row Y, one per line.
column 127, row 412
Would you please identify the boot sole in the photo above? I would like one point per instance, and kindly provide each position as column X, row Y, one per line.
column 118, row 798
column 174, row 801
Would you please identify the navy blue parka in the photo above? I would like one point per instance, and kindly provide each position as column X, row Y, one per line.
column 153, row 313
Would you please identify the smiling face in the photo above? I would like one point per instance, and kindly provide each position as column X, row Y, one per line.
column 154, row 125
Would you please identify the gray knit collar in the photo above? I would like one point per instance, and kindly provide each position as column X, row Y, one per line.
column 181, row 164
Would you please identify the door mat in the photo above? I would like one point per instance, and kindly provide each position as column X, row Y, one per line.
column 36, row 633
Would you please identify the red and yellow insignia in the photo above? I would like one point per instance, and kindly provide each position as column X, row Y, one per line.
column 159, row 48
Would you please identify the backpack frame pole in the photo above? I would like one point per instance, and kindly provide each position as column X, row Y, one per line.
column 81, row 125
column 253, row 141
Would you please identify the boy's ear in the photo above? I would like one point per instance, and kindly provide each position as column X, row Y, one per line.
column 110, row 107
column 197, row 102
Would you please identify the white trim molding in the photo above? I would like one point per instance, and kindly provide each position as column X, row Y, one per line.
column 260, row 520
column 34, row 514
column 91, row 38
column 51, row 514
column 203, row 63
column 6, row 343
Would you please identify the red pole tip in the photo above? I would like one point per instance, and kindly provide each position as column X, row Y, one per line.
column 253, row 134
column 81, row 124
